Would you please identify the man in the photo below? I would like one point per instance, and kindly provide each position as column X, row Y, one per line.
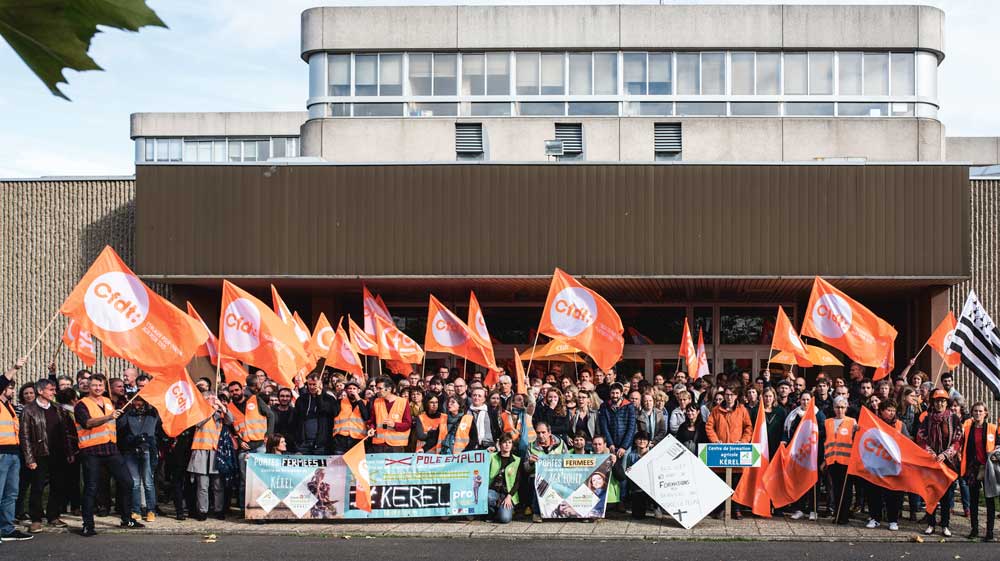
column 855, row 374
column 117, row 392
column 435, row 387
column 83, row 381
column 880, row 498
column 865, row 390
column 142, row 380
column 10, row 461
column 443, row 373
column 729, row 422
column 253, row 420
column 95, row 426
column 140, row 430
column 822, row 398
column 506, row 391
column 202, row 465
column 940, row 433
column 350, row 423
column 389, row 420
column 614, row 487
column 784, row 391
column 284, row 417
column 800, row 386
column 586, row 381
column 486, row 426
column 638, row 499
column 462, row 393
column 616, row 420
column 63, row 382
column 130, row 377
column 43, row 446
column 651, row 420
column 544, row 445
column 948, row 383
column 314, row 413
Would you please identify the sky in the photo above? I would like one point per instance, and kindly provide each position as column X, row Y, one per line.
column 243, row 55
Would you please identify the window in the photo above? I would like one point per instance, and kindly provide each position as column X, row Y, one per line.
column 902, row 74
column 876, row 74
column 473, row 74
column 432, row 74
column 660, row 74
column 498, row 74
column 743, row 73
column 580, row 74
column 863, row 109
column 249, row 151
column 378, row 109
column 539, row 109
column 593, row 108
column 809, row 109
column 700, row 108
column 469, row 141
column 421, row 79
column 768, row 73
column 366, row 75
column 713, row 73
column 433, row 109
column 340, row 109
column 553, row 80
column 571, row 135
column 796, row 74
column 527, row 74
column 219, row 150
column 278, row 148
column 667, row 141
column 605, row 73
column 445, row 74
column 650, row 108
column 754, row 108
column 487, row 109
column 340, row 74
column 821, row 73
column 168, row 149
column 235, row 151
column 849, row 73
column 688, row 73
column 150, row 150
column 390, row 73
column 635, row 73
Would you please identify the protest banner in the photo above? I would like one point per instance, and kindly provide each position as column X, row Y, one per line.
column 679, row 482
column 402, row 486
column 572, row 485
column 730, row 455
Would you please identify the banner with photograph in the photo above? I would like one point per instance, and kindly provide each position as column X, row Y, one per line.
column 572, row 485
column 402, row 486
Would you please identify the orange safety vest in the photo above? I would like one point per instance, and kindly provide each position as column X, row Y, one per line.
column 430, row 424
column 206, row 437
column 390, row 437
column 349, row 422
column 991, row 440
column 9, row 429
column 251, row 426
column 462, row 434
column 837, row 449
column 98, row 435
column 507, row 421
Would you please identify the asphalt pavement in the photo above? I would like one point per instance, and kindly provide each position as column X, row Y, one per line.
column 133, row 546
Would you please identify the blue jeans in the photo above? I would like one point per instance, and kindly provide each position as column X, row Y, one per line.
column 963, row 490
column 503, row 515
column 140, row 467
column 10, row 470
column 944, row 507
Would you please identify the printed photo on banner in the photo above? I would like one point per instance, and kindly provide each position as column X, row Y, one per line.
column 572, row 485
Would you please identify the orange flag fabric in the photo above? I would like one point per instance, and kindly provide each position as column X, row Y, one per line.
column 365, row 343
column 702, row 356
column 447, row 333
column 520, row 381
column 177, row 400
column 940, row 341
column 290, row 319
column 478, row 325
column 251, row 332
column 688, row 351
column 794, row 469
column 373, row 307
column 888, row 363
column 234, row 371
column 343, row 355
column 211, row 346
column 322, row 337
column 81, row 342
column 839, row 321
column 132, row 321
column 357, row 463
column 581, row 317
column 751, row 491
column 394, row 345
column 787, row 340
column 883, row 456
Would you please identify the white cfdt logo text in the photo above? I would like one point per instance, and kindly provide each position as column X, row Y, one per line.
column 832, row 316
column 325, row 338
column 347, row 353
column 447, row 331
column 180, row 397
column 573, row 311
column 241, row 325
column 804, row 448
column 481, row 326
column 794, row 338
column 116, row 302
column 880, row 454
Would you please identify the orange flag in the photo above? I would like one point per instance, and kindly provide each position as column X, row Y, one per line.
column 290, row 319
column 356, row 462
column 81, row 342
column 581, row 317
column 702, row 356
column 478, row 324
column 132, row 321
column 211, row 346
column 447, row 333
column 688, row 351
column 786, row 339
column 364, row 342
column 837, row 320
column 888, row 363
column 176, row 399
column 373, row 307
column 343, row 355
column 883, row 456
column 234, row 371
column 940, row 341
column 322, row 337
column 794, row 469
column 751, row 491
column 394, row 345
column 521, row 385
column 251, row 332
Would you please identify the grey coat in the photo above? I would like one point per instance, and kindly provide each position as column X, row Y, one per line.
column 991, row 483
column 659, row 429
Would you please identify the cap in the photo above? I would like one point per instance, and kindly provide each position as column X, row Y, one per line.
column 353, row 383
column 784, row 383
column 940, row 394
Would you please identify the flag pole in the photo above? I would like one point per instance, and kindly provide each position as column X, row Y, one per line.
column 40, row 336
column 55, row 355
column 840, row 503
column 527, row 372
column 218, row 369
column 937, row 377
column 464, row 362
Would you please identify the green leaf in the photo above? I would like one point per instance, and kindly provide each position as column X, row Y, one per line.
column 50, row 35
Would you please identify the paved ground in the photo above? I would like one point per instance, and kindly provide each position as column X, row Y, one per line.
column 617, row 527
column 171, row 548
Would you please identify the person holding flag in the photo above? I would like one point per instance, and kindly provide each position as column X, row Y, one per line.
column 980, row 438
column 940, row 433
column 795, row 416
column 840, row 430
column 202, row 465
column 879, row 497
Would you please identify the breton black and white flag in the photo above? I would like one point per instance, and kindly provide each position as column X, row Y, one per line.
column 978, row 341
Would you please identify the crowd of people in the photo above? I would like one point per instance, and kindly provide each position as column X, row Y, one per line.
column 80, row 438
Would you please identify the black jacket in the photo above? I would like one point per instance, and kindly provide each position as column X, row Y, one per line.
column 324, row 408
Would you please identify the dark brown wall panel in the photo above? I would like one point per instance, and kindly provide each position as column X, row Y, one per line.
column 494, row 219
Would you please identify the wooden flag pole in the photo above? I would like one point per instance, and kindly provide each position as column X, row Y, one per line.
column 59, row 348
column 527, row 373
column 464, row 362
column 937, row 377
column 840, row 502
column 218, row 369
column 38, row 340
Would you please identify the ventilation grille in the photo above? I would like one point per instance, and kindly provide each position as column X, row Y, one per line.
column 469, row 138
column 571, row 135
column 667, row 137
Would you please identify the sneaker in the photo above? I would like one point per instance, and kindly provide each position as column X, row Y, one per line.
column 946, row 532
column 132, row 524
column 973, row 534
column 797, row 515
column 893, row 526
column 536, row 518
column 813, row 516
column 16, row 536
column 136, row 516
column 150, row 516
column 88, row 532
column 35, row 528
column 929, row 530
column 872, row 524
column 58, row 523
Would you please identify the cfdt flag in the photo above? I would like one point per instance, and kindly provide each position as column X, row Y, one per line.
column 520, row 381
column 177, row 400
column 883, row 456
column 290, row 319
column 702, row 356
column 394, row 345
column 794, row 470
column 837, row 320
column 478, row 325
column 211, row 346
column 581, row 317
column 233, row 371
column 252, row 332
column 940, row 341
column 365, row 343
column 978, row 342
column 688, row 352
column 322, row 337
column 787, row 340
column 751, row 491
column 343, row 355
column 81, row 342
column 132, row 321
column 373, row 307
column 448, row 334
column 356, row 461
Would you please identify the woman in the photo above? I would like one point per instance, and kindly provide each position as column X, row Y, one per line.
column 638, row 498
column 584, row 419
column 203, row 466
column 650, row 420
column 553, row 412
column 774, row 418
column 691, row 433
column 979, row 449
column 751, row 399
column 505, row 480
column 454, row 413
column 598, row 485
column 840, row 431
column 415, row 396
column 881, row 498
column 909, row 408
column 429, row 427
column 275, row 444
